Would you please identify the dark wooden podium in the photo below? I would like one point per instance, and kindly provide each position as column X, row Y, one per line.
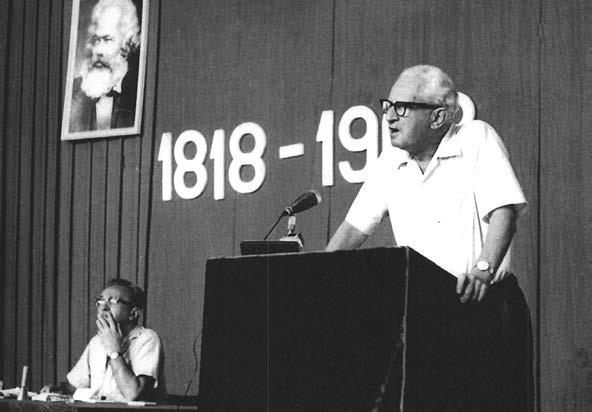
column 365, row 330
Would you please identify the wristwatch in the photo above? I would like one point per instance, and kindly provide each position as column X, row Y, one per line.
column 114, row 355
column 484, row 266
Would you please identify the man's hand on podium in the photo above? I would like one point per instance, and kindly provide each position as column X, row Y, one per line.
column 474, row 284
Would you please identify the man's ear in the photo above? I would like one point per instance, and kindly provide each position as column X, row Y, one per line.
column 439, row 117
column 134, row 314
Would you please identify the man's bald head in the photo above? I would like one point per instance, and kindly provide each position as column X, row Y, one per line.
column 432, row 85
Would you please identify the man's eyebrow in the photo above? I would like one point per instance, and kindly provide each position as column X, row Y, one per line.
column 106, row 36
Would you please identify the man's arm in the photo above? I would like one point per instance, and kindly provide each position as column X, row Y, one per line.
column 502, row 226
column 64, row 388
column 346, row 237
column 131, row 386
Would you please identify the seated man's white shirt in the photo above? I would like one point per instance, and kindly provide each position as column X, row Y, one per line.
column 444, row 212
column 144, row 355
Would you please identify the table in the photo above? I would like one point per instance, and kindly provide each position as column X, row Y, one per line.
column 36, row 406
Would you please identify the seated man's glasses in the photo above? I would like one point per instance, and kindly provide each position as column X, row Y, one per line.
column 401, row 107
column 111, row 300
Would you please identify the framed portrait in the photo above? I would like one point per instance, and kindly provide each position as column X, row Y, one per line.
column 106, row 69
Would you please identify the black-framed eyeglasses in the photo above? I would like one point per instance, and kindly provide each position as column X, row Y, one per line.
column 401, row 107
column 111, row 300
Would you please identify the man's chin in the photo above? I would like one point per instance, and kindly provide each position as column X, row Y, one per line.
column 395, row 140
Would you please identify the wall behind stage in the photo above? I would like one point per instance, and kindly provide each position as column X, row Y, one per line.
column 74, row 214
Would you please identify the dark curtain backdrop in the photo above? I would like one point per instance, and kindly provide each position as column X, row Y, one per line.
column 74, row 214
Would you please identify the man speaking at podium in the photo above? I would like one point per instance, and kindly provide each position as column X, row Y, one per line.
column 452, row 195
column 449, row 190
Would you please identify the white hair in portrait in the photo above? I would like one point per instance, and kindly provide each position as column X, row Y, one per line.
column 128, row 23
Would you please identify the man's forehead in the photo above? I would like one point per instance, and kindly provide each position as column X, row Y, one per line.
column 116, row 291
column 405, row 89
column 108, row 20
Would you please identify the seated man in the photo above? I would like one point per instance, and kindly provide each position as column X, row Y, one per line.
column 124, row 360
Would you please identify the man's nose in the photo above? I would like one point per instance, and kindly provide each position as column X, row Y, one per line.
column 391, row 115
column 99, row 48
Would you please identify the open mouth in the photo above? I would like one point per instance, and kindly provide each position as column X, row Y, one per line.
column 100, row 65
column 393, row 129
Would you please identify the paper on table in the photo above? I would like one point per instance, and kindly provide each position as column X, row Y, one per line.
column 14, row 392
column 52, row 397
column 84, row 394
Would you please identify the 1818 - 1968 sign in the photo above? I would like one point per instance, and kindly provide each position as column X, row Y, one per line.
column 173, row 178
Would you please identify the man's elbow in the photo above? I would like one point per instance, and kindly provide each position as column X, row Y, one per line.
column 137, row 394
column 142, row 391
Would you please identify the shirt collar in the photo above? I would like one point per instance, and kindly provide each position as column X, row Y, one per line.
column 109, row 95
column 401, row 157
column 135, row 332
column 449, row 146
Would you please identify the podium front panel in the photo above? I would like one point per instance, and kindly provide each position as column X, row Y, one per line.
column 310, row 331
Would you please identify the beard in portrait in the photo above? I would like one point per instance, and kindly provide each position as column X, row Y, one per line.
column 104, row 94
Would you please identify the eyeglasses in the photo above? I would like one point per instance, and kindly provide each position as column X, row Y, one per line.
column 401, row 107
column 111, row 300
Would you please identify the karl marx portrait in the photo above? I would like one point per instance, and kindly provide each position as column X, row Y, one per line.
column 104, row 89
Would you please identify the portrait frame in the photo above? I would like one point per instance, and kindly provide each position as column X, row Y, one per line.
column 79, row 118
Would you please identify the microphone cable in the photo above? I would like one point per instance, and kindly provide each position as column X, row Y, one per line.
column 274, row 225
column 196, row 363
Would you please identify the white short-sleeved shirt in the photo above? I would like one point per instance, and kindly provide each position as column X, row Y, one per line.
column 144, row 355
column 442, row 213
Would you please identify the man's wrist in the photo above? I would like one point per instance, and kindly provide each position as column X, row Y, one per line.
column 115, row 355
column 484, row 266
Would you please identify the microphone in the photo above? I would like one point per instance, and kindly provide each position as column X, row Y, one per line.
column 304, row 202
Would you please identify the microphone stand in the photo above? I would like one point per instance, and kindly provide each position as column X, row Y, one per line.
column 291, row 235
